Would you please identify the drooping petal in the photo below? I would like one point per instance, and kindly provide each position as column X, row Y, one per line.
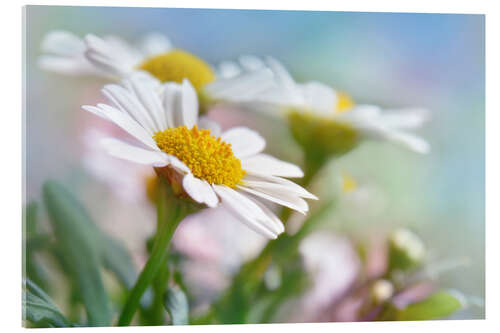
column 247, row 211
column 244, row 142
column 199, row 190
column 276, row 184
column 282, row 198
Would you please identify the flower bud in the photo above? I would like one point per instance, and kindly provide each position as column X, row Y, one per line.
column 406, row 250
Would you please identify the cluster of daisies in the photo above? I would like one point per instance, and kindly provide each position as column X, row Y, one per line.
column 159, row 94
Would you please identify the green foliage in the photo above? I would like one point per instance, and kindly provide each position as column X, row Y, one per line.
column 439, row 305
column 39, row 308
column 33, row 242
column 80, row 243
column 176, row 304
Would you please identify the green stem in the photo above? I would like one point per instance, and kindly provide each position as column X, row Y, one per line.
column 170, row 212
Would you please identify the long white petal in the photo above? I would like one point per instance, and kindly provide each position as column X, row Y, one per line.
column 247, row 211
column 145, row 88
column 264, row 164
column 283, row 186
column 244, row 142
column 272, row 217
column 125, row 100
column 124, row 121
column 189, row 104
column 279, row 197
column 172, row 104
column 135, row 154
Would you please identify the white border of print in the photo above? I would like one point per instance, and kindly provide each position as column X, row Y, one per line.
column 11, row 155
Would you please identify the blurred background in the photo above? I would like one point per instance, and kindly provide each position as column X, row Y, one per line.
column 435, row 61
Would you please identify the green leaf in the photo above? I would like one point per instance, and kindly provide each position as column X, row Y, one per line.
column 39, row 308
column 79, row 241
column 177, row 306
column 440, row 305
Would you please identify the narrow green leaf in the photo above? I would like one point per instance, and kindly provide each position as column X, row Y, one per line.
column 79, row 241
column 116, row 258
column 177, row 306
column 440, row 305
column 40, row 309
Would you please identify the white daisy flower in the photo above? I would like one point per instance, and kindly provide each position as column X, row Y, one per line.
column 318, row 105
column 226, row 169
column 114, row 58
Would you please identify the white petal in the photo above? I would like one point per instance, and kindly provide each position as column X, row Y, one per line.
column 228, row 69
column 145, row 87
column 247, row 211
column 65, row 65
column 154, row 44
column 277, row 184
column 172, row 104
column 241, row 88
column 319, row 97
column 405, row 118
column 124, row 121
column 282, row 198
column 264, row 164
column 125, row 99
column 189, row 104
column 178, row 164
column 63, row 43
column 251, row 63
column 199, row 190
column 205, row 122
column 111, row 55
column 282, row 75
column 135, row 154
column 411, row 141
column 244, row 142
column 272, row 217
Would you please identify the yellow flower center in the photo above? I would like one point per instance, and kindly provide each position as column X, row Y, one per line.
column 178, row 65
column 344, row 102
column 207, row 156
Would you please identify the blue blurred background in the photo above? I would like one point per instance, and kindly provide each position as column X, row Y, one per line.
column 434, row 61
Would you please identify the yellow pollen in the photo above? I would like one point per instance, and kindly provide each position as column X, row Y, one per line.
column 207, row 156
column 344, row 102
column 348, row 183
column 178, row 65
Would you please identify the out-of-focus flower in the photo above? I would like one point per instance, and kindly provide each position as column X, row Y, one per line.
column 210, row 168
column 334, row 266
column 322, row 120
column 114, row 58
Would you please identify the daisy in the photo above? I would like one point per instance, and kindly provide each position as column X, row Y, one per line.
column 217, row 169
column 114, row 58
column 318, row 114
